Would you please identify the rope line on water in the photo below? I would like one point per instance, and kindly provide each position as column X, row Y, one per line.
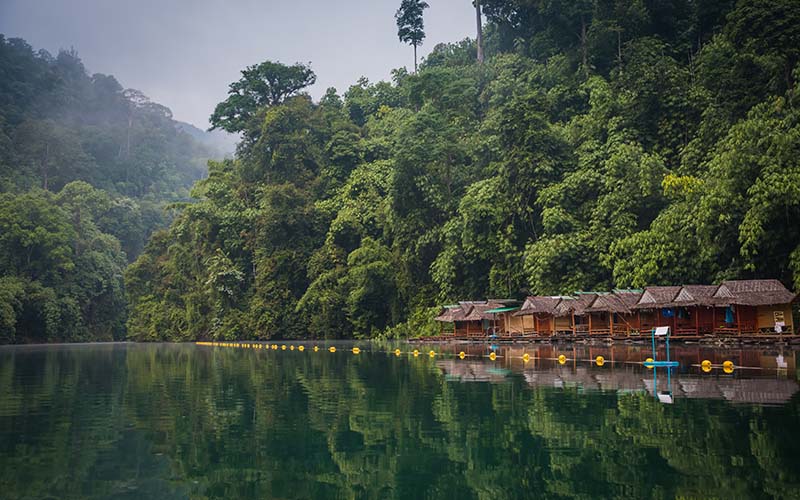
column 705, row 366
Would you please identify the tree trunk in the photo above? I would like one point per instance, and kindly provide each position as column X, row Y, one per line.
column 479, row 37
column 584, row 47
column 415, row 58
column 45, row 161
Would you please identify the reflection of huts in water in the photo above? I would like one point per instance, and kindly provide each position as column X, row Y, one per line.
column 471, row 371
column 745, row 390
column 610, row 314
column 626, row 378
column 754, row 390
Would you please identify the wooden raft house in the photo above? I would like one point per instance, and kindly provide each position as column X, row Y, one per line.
column 744, row 308
column 572, row 312
column 610, row 314
column 537, row 315
column 753, row 307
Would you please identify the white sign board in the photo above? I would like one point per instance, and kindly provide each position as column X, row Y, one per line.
column 665, row 397
column 661, row 331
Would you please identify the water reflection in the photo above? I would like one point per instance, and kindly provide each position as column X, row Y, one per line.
column 182, row 421
column 760, row 377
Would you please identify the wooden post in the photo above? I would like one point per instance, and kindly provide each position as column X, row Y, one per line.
column 574, row 326
column 713, row 319
column 696, row 320
column 674, row 319
column 738, row 321
column 590, row 324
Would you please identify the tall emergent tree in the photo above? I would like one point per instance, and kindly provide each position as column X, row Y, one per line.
column 479, row 35
column 262, row 85
column 410, row 27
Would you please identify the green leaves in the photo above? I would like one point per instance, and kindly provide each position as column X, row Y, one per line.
column 262, row 85
column 600, row 145
column 410, row 26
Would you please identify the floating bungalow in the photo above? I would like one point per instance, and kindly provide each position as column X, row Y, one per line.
column 474, row 319
column 538, row 315
column 733, row 308
column 571, row 311
column 611, row 314
column 753, row 307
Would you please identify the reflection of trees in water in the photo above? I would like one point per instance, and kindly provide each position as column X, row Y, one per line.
column 211, row 423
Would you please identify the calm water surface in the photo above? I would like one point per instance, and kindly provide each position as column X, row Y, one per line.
column 183, row 421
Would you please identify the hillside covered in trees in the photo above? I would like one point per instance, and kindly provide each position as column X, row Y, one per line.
column 581, row 145
column 600, row 144
column 86, row 171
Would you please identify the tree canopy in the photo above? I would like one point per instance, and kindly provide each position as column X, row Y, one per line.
column 601, row 144
column 261, row 86
column 410, row 24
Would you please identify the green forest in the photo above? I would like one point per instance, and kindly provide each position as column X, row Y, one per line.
column 88, row 170
column 582, row 144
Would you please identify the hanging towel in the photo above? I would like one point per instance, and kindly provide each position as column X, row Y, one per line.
column 668, row 312
column 729, row 315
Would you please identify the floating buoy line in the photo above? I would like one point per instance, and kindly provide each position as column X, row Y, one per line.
column 706, row 366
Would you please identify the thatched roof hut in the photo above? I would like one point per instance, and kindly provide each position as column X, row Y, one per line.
column 656, row 297
column 448, row 313
column 752, row 293
column 539, row 305
column 696, row 295
column 619, row 302
column 574, row 305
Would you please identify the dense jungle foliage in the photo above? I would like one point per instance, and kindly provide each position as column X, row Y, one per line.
column 603, row 143
column 86, row 170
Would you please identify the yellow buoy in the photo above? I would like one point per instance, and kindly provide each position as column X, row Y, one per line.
column 600, row 360
column 562, row 359
column 415, row 353
column 727, row 366
column 316, row 348
column 432, row 353
column 462, row 355
column 705, row 365
column 301, row 348
column 291, row 348
column 526, row 357
column 492, row 356
column 356, row 350
column 649, row 360
column 274, row 347
column 283, row 347
column 397, row 352
column 332, row 349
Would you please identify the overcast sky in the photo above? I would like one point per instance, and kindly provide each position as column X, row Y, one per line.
column 184, row 53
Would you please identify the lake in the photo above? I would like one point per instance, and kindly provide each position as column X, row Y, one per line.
column 170, row 421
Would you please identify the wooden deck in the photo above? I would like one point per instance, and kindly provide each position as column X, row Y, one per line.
column 728, row 336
